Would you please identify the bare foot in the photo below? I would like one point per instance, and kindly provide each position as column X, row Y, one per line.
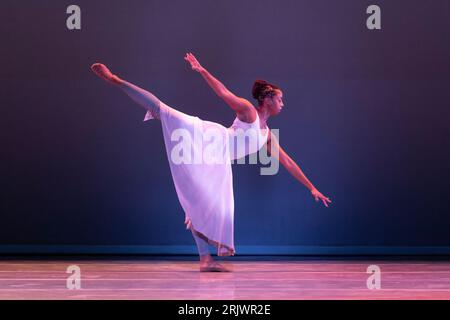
column 212, row 266
column 103, row 72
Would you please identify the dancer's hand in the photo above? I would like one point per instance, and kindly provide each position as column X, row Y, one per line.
column 195, row 65
column 319, row 196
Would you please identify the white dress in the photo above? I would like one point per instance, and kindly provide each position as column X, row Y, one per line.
column 200, row 154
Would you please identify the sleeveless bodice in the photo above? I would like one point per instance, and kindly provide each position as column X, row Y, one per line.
column 246, row 138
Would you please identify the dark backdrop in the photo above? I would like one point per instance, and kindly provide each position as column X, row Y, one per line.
column 366, row 117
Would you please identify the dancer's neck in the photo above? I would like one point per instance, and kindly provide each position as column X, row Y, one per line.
column 264, row 115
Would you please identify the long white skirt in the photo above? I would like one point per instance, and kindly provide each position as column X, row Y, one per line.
column 204, row 184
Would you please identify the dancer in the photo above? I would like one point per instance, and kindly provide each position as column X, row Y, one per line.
column 205, row 188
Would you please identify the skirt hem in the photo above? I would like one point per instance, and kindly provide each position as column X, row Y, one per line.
column 230, row 251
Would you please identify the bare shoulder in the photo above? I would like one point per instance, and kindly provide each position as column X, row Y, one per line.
column 248, row 114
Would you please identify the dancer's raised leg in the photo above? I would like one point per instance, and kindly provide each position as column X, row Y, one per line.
column 140, row 96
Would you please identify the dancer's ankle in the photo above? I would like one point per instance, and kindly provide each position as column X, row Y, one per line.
column 116, row 80
column 206, row 258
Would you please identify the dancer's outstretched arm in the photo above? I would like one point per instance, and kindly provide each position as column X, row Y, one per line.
column 272, row 144
column 238, row 104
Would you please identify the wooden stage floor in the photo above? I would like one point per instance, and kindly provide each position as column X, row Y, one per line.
column 270, row 278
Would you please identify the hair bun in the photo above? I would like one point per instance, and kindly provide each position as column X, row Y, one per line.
column 262, row 89
column 258, row 87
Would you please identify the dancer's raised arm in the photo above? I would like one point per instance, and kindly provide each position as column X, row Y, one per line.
column 238, row 104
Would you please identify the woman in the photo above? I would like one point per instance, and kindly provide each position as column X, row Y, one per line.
column 204, row 188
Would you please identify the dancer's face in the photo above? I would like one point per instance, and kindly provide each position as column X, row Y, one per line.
column 275, row 104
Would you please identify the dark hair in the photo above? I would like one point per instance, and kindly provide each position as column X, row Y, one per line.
column 262, row 89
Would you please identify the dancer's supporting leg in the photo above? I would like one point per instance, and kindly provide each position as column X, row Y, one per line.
column 140, row 96
column 207, row 264
column 202, row 246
